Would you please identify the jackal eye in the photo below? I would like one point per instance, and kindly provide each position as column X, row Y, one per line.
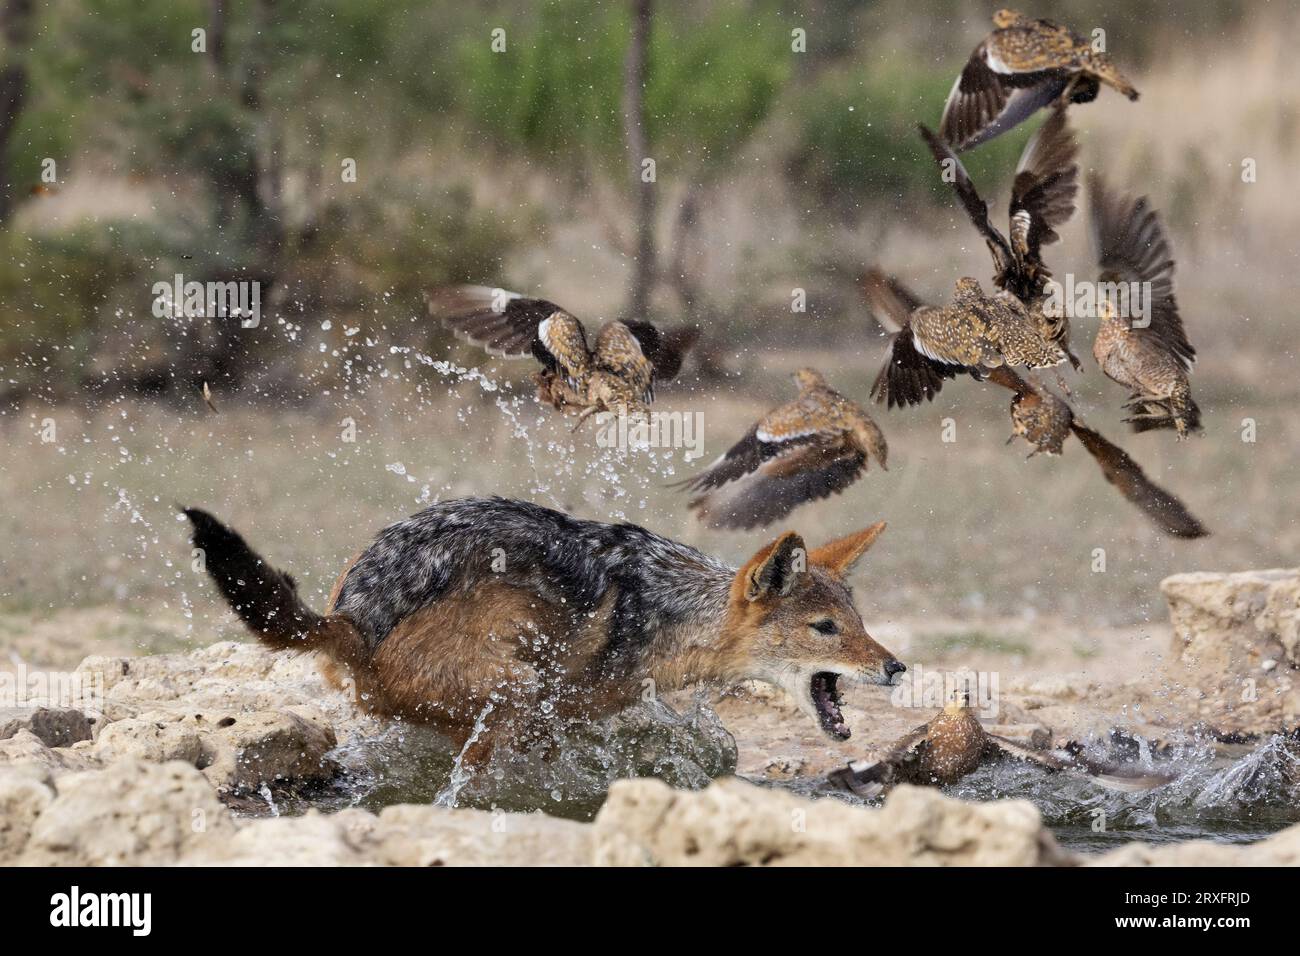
column 825, row 626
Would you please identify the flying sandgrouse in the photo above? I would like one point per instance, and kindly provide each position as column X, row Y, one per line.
column 1046, row 421
column 615, row 374
column 1037, row 415
column 807, row 449
column 1148, row 354
column 974, row 334
column 1022, row 66
column 1042, row 200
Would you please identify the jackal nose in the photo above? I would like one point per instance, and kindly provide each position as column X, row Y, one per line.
column 893, row 667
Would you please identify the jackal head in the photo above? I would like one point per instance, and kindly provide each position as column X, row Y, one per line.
column 791, row 622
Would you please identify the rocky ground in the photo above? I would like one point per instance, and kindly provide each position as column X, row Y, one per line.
column 155, row 773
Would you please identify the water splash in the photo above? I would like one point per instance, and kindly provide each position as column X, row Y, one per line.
column 459, row 775
column 567, row 777
column 265, row 793
column 1270, row 772
column 1223, row 793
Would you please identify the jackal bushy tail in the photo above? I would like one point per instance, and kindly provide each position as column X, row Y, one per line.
column 266, row 599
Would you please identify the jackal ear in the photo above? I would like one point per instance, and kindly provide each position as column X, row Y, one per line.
column 839, row 556
column 772, row 572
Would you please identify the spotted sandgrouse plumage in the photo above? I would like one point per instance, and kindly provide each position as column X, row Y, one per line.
column 1022, row 66
column 1147, row 354
column 807, row 449
column 1042, row 200
column 1037, row 415
column 977, row 332
column 616, row 373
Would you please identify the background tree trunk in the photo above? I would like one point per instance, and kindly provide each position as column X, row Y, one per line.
column 638, row 149
column 15, row 27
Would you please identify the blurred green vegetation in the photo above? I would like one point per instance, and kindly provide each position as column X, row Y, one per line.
column 231, row 159
column 856, row 141
column 555, row 91
column 228, row 160
column 54, row 286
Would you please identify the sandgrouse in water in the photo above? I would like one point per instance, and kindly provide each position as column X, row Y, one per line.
column 955, row 744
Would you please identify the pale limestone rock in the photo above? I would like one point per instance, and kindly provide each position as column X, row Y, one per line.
column 731, row 822
column 1261, row 608
column 403, row 835
column 133, row 812
column 24, row 747
column 410, row 835
column 1280, row 617
column 261, row 717
column 238, row 752
column 228, row 676
column 144, row 739
column 245, row 715
column 249, row 750
column 309, row 840
column 25, row 791
column 1227, row 630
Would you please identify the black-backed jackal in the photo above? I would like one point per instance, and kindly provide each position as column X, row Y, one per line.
column 508, row 616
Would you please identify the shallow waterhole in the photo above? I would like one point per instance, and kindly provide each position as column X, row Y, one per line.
column 1222, row 793
column 1225, row 793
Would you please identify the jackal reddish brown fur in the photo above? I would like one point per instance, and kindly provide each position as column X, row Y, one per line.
column 509, row 616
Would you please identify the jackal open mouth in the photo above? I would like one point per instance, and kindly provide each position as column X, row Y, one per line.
column 826, row 701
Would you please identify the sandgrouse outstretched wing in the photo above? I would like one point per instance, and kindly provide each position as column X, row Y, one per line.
column 1022, row 66
column 1046, row 420
column 974, row 334
column 1037, row 415
column 617, row 371
column 955, row 744
column 807, row 449
column 1042, row 200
